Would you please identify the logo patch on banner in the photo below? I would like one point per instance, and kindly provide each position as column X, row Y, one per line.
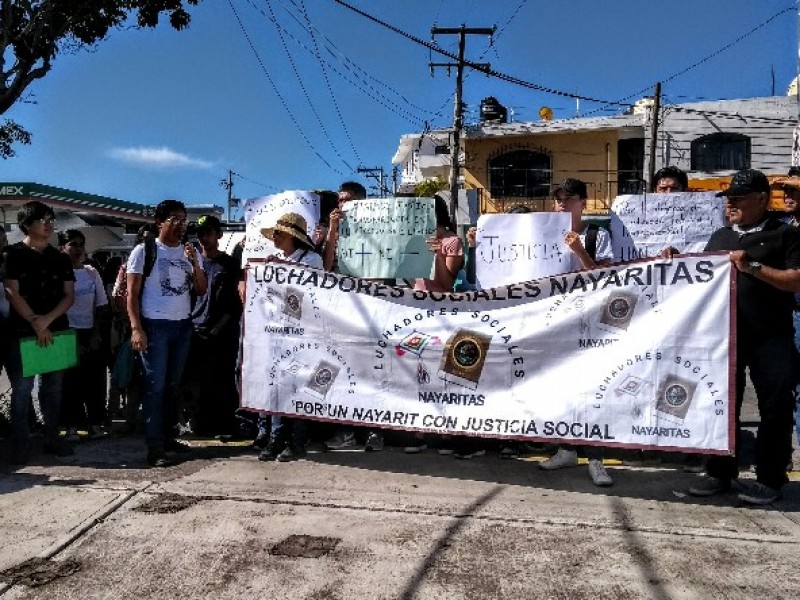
column 617, row 311
column 321, row 379
column 674, row 397
column 293, row 303
column 464, row 357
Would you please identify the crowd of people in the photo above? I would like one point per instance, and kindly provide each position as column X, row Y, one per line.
column 166, row 325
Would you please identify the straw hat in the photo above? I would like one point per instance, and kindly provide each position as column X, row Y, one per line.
column 293, row 225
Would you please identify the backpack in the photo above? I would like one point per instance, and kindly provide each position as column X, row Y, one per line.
column 591, row 240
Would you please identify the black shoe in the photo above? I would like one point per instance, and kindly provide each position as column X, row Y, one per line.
column 176, row 446
column 262, row 440
column 157, row 458
column 268, row 454
column 289, row 454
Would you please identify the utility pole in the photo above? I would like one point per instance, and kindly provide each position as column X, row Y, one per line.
column 651, row 165
column 458, row 110
column 228, row 185
column 378, row 175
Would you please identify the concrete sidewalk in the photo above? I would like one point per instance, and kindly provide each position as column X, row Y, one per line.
column 381, row 525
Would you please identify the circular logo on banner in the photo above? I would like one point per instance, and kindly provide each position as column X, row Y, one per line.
column 467, row 353
column 676, row 394
column 293, row 302
column 619, row 308
column 323, row 376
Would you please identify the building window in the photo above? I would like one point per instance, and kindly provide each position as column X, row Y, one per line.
column 520, row 174
column 721, row 152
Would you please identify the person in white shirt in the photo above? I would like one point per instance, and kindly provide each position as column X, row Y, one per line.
column 591, row 248
column 83, row 403
column 162, row 275
column 289, row 437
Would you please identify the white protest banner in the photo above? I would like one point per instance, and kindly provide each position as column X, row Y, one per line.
column 642, row 226
column 386, row 238
column 635, row 355
column 265, row 211
column 519, row 247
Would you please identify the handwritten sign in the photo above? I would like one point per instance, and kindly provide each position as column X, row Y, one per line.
column 265, row 211
column 642, row 226
column 386, row 238
column 519, row 247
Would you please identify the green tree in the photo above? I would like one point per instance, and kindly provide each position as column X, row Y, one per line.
column 34, row 32
column 429, row 187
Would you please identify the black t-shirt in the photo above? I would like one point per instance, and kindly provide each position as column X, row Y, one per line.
column 41, row 277
column 222, row 296
column 762, row 309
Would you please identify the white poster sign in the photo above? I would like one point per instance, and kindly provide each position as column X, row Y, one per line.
column 519, row 247
column 634, row 355
column 642, row 226
column 386, row 238
column 265, row 211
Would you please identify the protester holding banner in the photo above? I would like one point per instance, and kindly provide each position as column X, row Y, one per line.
column 289, row 437
column 448, row 253
column 591, row 247
column 766, row 255
column 84, row 390
column 349, row 190
column 40, row 285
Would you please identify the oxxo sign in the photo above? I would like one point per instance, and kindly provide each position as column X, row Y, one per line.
column 11, row 190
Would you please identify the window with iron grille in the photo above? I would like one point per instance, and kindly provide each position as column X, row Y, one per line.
column 520, row 174
column 721, row 152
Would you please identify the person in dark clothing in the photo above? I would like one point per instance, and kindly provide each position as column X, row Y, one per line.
column 40, row 286
column 765, row 254
column 211, row 369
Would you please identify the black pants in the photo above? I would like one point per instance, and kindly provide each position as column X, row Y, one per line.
column 84, row 388
column 772, row 371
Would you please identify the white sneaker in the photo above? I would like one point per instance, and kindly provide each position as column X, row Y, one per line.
column 598, row 473
column 560, row 460
column 72, row 435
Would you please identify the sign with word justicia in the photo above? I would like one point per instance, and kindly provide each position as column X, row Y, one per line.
column 642, row 226
column 386, row 238
column 635, row 355
column 520, row 247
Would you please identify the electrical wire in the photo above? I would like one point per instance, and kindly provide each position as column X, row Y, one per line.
column 278, row 93
column 303, row 87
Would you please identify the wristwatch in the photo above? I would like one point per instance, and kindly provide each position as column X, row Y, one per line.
column 754, row 266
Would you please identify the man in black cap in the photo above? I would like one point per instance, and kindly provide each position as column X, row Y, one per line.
column 766, row 255
column 210, row 370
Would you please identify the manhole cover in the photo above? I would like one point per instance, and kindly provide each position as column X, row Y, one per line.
column 166, row 503
column 304, row 546
column 39, row 571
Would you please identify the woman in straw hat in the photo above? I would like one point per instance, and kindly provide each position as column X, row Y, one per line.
column 288, row 437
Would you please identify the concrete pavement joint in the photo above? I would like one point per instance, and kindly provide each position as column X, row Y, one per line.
column 568, row 523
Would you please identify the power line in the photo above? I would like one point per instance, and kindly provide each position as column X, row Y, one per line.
column 278, row 93
column 303, row 87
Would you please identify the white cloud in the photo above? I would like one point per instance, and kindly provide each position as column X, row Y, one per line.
column 162, row 158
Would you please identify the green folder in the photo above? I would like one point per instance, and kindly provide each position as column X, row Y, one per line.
column 61, row 354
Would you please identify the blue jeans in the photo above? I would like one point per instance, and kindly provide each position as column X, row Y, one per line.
column 162, row 367
column 21, row 392
column 288, row 431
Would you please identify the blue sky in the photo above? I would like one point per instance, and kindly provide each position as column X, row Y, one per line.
column 151, row 114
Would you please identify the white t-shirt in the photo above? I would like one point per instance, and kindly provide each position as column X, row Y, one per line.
column 166, row 293
column 89, row 294
column 304, row 257
column 602, row 253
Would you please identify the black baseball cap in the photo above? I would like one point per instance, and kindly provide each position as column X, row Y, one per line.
column 572, row 186
column 208, row 223
column 746, row 181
